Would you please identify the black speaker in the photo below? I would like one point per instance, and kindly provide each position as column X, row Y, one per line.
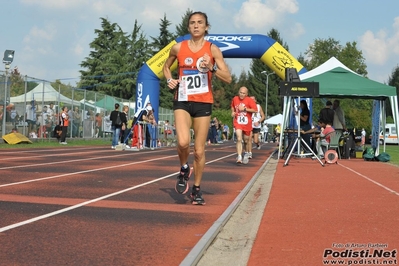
column 291, row 75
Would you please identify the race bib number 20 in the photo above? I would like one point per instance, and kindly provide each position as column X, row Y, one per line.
column 193, row 84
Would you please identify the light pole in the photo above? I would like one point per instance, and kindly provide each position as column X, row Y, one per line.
column 267, row 88
column 7, row 60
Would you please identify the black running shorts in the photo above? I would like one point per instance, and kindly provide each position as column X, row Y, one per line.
column 195, row 109
column 255, row 130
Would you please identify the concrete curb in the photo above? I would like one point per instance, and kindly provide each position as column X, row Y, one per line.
column 229, row 240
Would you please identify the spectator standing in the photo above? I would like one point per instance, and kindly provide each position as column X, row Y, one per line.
column 138, row 122
column 71, row 123
column 174, row 128
column 77, row 122
column 304, row 122
column 43, row 123
column 149, row 120
column 363, row 141
column 14, row 115
column 277, row 132
column 339, row 117
column 30, row 115
column 64, row 123
column 118, row 119
column 51, row 110
column 107, row 121
column 265, row 132
column 51, row 115
column 99, row 125
column 326, row 115
column 137, row 139
column 151, row 139
column 226, row 132
column 125, row 110
column 167, row 131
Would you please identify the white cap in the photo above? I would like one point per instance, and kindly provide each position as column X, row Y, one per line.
column 149, row 108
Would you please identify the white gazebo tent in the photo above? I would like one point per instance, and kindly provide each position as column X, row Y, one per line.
column 42, row 93
column 275, row 120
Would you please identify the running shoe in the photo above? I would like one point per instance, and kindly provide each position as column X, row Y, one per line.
column 196, row 197
column 182, row 180
column 258, row 147
column 239, row 159
column 246, row 158
column 249, row 155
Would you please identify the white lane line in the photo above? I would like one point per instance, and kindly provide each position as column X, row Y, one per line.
column 65, row 161
column 50, row 155
column 371, row 180
column 51, row 163
column 44, row 216
column 50, row 149
column 82, row 172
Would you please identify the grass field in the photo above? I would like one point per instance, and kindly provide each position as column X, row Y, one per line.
column 392, row 150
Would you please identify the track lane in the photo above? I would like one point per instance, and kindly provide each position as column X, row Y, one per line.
column 133, row 219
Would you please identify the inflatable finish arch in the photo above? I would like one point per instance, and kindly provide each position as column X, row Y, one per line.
column 263, row 47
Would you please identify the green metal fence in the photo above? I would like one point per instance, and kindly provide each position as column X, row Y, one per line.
column 35, row 108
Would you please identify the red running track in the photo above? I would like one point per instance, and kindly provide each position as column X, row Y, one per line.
column 97, row 206
column 320, row 215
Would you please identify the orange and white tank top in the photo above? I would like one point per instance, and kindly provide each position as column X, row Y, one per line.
column 195, row 84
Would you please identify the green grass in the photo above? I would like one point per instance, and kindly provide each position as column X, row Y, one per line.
column 393, row 151
column 41, row 143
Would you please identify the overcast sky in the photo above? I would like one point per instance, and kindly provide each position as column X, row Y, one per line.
column 51, row 37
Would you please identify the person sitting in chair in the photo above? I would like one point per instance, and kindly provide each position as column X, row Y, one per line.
column 322, row 139
column 325, row 139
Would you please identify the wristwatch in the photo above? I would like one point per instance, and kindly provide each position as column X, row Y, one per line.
column 214, row 69
column 168, row 80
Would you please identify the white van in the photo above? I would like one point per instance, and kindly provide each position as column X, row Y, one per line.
column 391, row 136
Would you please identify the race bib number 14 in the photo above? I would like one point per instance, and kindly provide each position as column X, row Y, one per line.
column 242, row 120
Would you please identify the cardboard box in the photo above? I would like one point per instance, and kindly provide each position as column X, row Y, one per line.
column 359, row 154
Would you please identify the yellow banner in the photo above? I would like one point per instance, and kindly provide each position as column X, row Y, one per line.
column 158, row 60
column 278, row 59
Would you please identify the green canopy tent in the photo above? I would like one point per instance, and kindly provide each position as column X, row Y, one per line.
column 107, row 102
column 338, row 81
column 341, row 83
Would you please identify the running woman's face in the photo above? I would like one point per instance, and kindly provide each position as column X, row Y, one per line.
column 197, row 25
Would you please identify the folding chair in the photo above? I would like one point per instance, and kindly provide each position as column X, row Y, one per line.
column 334, row 142
column 330, row 155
